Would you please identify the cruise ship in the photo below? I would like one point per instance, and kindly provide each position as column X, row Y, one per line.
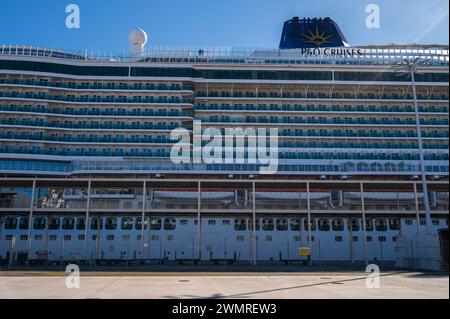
column 88, row 174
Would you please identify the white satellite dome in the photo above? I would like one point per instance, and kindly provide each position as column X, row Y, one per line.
column 138, row 37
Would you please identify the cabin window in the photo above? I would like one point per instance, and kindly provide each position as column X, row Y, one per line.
column 10, row 223
column 268, row 238
column 380, row 224
column 169, row 224
column 239, row 224
column 38, row 237
column 169, row 237
column 355, row 238
column 81, row 223
column 110, row 237
column 408, row 222
column 435, row 222
column 257, row 223
column 23, row 237
column 295, row 224
column 369, row 225
column 324, row 225
column 423, row 222
column 183, row 222
column 211, row 222
column 381, row 238
column 226, row 222
column 155, row 237
column 68, row 223
column 81, row 237
column 282, row 224
column 67, row 237
column 139, row 237
column 338, row 238
column 52, row 237
column 267, row 224
column 394, row 224
column 23, row 223
column 240, row 238
column 353, row 224
column 39, row 223
column 312, row 238
column 53, row 223
column 394, row 238
column 126, row 223
column 313, row 224
column 369, row 238
column 138, row 223
column 111, row 223
column 96, row 223
column 338, row 225
column 155, row 224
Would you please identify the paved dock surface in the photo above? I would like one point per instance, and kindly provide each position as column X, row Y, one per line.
column 21, row 284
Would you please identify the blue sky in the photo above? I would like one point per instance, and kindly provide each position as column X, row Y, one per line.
column 105, row 24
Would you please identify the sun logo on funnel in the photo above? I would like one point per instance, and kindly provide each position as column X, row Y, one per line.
column 317, row 38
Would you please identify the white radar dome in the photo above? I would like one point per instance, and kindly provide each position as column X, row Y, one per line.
column 138, row 37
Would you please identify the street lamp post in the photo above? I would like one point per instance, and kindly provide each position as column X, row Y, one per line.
column 411, row 66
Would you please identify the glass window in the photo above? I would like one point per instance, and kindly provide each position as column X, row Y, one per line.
column 68, row 223
column 338, row 224
column 110, row 223
column 10, row 223
column 394, row 224
column 282, row 224
column 313, row 224
column 169, row 223
column 138, row 223
column 267, row 224
column 380, row 224
column 53, row 223
column 239, row 224
column 324, row 224
column 96, row 223
column 39, row 223
column 23, row 223
column 295, row 224
column 353, row 224
column 155, row 224
column 81, row 223
column 126, row 223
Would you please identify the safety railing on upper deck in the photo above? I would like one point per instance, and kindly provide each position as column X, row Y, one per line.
column 387, row 55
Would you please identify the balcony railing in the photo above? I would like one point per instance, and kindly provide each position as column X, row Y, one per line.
column 95, row 112
column 433, row 55
column 43, row 124
column 324, row 108
column 339, row 121
column 92, row 99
